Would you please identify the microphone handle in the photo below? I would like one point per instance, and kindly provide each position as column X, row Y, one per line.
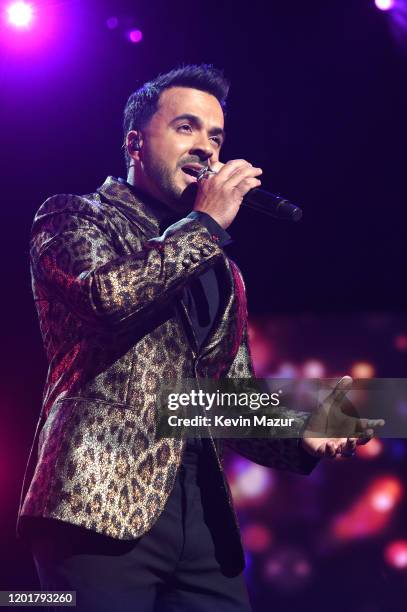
column 272, row 205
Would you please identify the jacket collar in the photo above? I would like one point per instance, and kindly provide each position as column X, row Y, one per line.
column 150, row 216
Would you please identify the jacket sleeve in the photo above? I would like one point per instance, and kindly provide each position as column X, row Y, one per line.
column 275, row 452
column 75, row 257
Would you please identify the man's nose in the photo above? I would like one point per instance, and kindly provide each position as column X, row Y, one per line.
column 203, row 149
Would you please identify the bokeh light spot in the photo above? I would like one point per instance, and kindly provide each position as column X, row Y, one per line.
column 20, row 14
column 384, row 5
column 400, row 342
column 256, row 537
column 253, row 482
column 371, row 512
column 136, row 36
column 313, row 369
column 396, row 554
column 288, row 568
column 371, row 450
column 362, row 369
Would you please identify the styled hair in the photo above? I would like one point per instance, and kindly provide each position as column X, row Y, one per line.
column 143, row 103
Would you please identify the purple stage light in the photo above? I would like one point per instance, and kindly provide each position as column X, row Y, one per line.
column 313, row 369
column 384, row 5
column 32, row 26
column 256, row 537
column 288, row 568
column 20, row 14
column 112, row 23
column 136, row 36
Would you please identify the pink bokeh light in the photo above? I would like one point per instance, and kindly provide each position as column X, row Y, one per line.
column 136, row 36
column 20, row 14
column 256, row 537
column 313, row 368
column 371, row 512
column 250, row 483
column 400, row 342
column 371, row 450
column 288, row 568
column 396, row 554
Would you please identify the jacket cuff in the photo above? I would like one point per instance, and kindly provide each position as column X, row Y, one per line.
column 218, row 234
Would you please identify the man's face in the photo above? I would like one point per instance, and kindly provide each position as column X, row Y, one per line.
column 185, row 134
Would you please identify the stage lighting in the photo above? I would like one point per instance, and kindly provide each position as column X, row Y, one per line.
column 372, row 510
column 384, row 5
column 136, row 36
column 254, row 481
column 288, row 568
column 249, row 482
column 371, row 450
column 362, row 369
column 385, row 494
column 400, row 342
column 313, row 369
column 396, row 554
column 256, row 537
column 20, row 14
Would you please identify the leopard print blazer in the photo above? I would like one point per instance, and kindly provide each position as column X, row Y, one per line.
column 107, row 289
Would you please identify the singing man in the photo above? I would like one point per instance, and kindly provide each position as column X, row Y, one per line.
column 132, row 288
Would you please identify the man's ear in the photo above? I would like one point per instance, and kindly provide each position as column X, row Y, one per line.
column 134, row 143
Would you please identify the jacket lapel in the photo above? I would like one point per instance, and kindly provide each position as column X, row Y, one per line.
column 220, row 348
column 130, row 205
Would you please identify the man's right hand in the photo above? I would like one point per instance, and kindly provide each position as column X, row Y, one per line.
column 221, row 195
column 331, row 431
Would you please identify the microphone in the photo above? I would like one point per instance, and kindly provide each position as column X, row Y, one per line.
column 270, row 204
column 265, row 202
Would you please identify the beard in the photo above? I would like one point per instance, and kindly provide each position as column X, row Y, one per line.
column 163, row 178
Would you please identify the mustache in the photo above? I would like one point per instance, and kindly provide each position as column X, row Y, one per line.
column 191, row 160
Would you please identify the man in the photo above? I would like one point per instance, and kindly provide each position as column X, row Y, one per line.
column 133, row 289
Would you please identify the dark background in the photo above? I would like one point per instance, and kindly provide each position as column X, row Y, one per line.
column 318, row 100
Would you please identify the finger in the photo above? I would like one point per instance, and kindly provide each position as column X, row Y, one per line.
column 322, row 449
column 342, row 445
column 330, row 449
column 370, row 424
column 231, row 167
column 341, row 389
column 347, row 447
column 244, row 186
column 216, row 166
column 366, row 437
column 350, row 445
column 240, row 175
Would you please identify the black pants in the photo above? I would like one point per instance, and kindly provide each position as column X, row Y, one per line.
column 172, row 568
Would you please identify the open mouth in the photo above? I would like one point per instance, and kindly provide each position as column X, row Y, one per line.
column 192, row 169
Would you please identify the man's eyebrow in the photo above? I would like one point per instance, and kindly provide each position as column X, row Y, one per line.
column 194, row 119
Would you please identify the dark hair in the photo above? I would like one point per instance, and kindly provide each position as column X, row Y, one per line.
column 143, row 103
